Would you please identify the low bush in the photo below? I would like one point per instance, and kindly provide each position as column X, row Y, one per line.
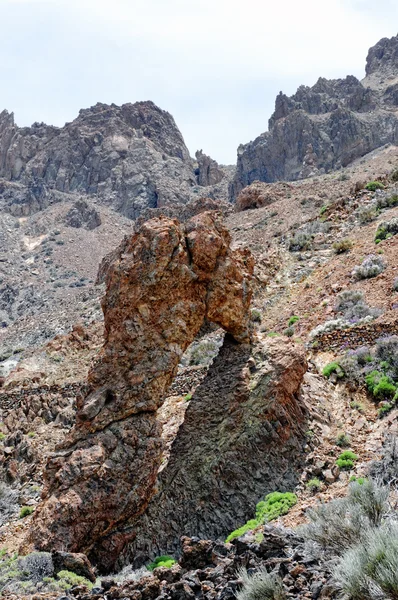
column 275, row 505
column 371, row 267
column 342, row 246
column 386, row 201
column 260, row 586
column 384, row 409
column 372, row 186
column 352, row 306
column 367, row 214
column 331, row 368
column 343, row 522
column 343, row 440
column 25, row 511
column 292, row 320
column 357, row 406
column 289, row 332
column 346, row 460
column 369, row 570
column 386, row 230
column 300, row 241
column 380, row 386
column 314, row 485
column 162, row 561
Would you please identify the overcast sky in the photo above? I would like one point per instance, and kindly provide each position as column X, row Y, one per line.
column 216, row 65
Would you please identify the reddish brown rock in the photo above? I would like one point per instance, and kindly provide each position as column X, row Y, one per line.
column 165, row 281
column 260, row 194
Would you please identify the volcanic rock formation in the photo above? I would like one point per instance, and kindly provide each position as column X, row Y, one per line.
column 166, row 280
column 326, row 126
column 131, row 157
column 242, row 437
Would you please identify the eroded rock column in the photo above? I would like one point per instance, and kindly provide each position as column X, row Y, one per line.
column 163, row 283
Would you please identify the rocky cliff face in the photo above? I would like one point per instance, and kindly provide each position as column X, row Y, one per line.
column 326, row 126
column 131, row 157
column 164, row 282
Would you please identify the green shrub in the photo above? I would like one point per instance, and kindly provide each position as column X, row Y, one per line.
column 188, row 397
column 25, row 511
column 275, row 505
column 394, row 175
column 162, row 561
column 331, row 368
column 346, row 460
column 2, row 436
column 358, row 480
column 293, row 319
column 323, row 209
column 313, row 485
column 342, row 246
column 380, row 386
column 251, row 524
column 372, row 186
column 343, row 440
column 260, row 586
column 272, row 507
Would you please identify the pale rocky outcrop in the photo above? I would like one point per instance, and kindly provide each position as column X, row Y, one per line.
column 165, row 281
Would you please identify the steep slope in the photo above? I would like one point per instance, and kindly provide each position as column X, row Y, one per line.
column 326, row 126
column 130, row 157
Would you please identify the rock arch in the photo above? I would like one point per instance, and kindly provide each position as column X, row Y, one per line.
column 164, row 282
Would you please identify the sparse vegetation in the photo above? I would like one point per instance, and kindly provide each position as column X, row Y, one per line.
column 272, row 507
column 292, row 320
column 331, row 368
column 346, row 460
column 25, row 511
column 342, row 246
column 314, row 485
column 371, row 267
column 372, row 186
column 162, row 561
column 260, row 586
column 343, row 440
column 386, row 230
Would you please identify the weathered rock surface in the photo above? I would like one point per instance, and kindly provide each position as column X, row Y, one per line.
column 326, row 126
column 131, row 157
column 210, row 570
column 83, row 215
column 166, row 280
column 242, row 437
column 208, row 171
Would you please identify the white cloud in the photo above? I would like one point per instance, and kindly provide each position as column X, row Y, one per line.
column 216, row 65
